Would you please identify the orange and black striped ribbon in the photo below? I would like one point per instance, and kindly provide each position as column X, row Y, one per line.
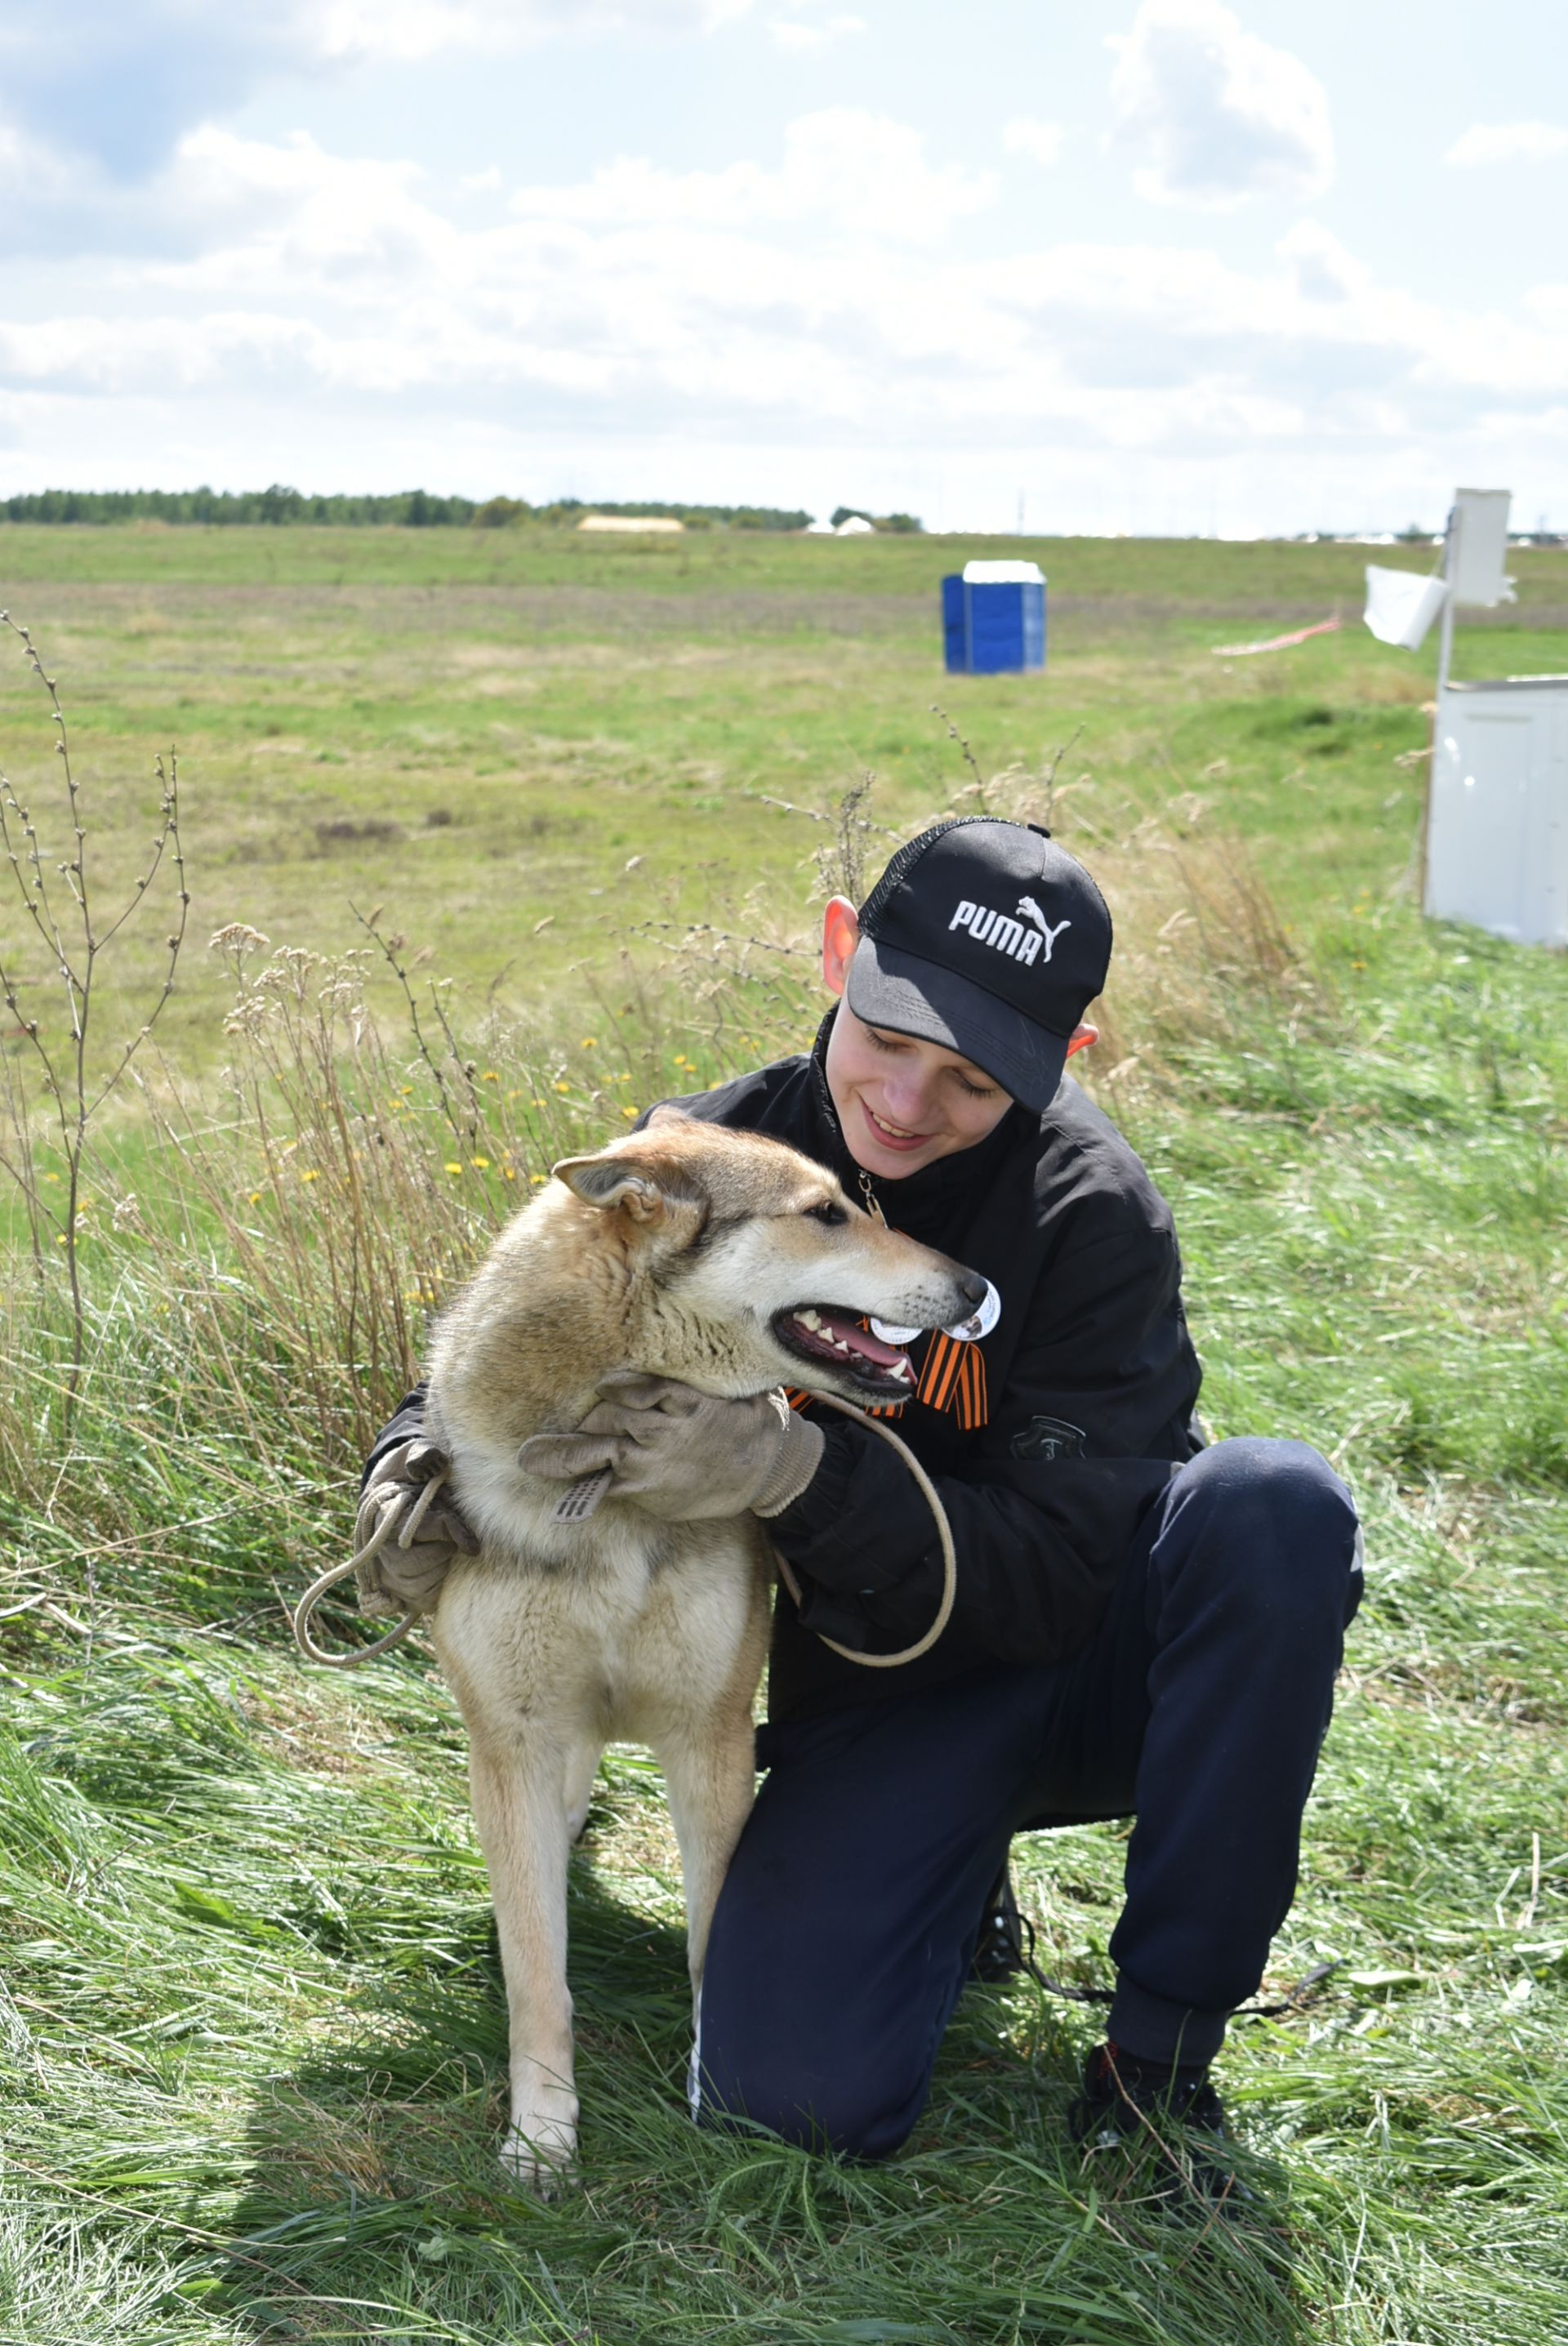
column 951, row 1377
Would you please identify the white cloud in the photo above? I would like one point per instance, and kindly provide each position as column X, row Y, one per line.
column 799, row 36
column 1509, row 142
column 409, row 29
column 1042, row 140
column 1323, row 269
column 120, row 81
column 1216, row 115
column 858, row 173
column 344, row 320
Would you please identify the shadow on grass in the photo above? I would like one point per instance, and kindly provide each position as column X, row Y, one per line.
column 376, row 2207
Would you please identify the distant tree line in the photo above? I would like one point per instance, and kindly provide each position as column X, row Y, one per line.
column 406, row 509
column 901, row 525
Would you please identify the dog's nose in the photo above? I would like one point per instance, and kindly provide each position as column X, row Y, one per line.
column 973, row 1289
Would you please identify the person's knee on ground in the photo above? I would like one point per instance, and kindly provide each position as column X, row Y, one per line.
column 1271, row 1525
column 849, row 2117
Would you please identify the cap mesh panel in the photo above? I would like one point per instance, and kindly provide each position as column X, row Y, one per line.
column 903, row 861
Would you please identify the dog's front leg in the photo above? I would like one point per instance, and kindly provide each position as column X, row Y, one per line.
column 711, row 1774
column 519, row 1810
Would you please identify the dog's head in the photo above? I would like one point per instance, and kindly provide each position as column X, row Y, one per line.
column 749, row 1266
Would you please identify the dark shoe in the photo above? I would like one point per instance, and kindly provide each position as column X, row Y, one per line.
column 1167, row 2118
column 1006, row 1938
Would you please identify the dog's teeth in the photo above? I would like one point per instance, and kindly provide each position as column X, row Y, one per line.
column 809, row 1320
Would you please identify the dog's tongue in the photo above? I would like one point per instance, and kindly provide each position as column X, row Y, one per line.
column 850, row 1330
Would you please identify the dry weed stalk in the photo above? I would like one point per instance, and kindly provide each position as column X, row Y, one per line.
column 66, row 920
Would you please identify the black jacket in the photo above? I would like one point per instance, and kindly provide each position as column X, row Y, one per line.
column 1090, row 1384
column 1046, row 1460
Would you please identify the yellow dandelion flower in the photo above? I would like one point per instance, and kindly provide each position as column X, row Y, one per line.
column 509, row 1172
column 309, row 1174
column 590, row 1043
column 538, row 1180
column 490, row 1077
column 563, row 1087
column 454, row 1169
column 480, row 1164
column 539, row 1103
column 631, row 1112
column 255, row 1197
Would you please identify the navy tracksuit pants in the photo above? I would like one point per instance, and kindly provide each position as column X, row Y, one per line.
column 847, row 1921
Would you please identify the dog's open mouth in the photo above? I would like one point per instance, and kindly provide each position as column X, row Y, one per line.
column 820, row 1332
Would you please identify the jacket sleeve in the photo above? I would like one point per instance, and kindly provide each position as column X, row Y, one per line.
column 406, row 1424
column 1039, row 1538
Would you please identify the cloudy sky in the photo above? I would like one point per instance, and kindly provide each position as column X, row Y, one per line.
column 1165, row 267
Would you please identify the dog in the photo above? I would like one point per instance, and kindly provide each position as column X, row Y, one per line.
column 729, row 1261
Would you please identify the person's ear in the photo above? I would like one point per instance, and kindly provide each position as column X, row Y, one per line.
column 840, row 936
column 1083, row 1036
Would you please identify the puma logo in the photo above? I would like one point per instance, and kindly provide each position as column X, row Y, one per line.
column 1027, row 904
column 1010, row 936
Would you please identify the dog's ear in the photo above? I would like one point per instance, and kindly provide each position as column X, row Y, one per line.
column 666, row 1114
column 644, row 1185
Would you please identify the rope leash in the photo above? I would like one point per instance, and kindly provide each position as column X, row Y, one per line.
column 1021, row 1944
column 587, row 1491
column 944, row 1534
column 396, row 1513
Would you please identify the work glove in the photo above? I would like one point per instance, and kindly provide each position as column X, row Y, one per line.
column 409, row 1580
column 681, row 1454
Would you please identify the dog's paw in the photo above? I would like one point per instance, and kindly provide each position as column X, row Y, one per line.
column 538, row 2151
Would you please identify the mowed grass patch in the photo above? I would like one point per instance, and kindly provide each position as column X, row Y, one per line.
column 253, row 2036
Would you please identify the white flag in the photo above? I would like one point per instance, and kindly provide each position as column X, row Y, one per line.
column 1401, row 606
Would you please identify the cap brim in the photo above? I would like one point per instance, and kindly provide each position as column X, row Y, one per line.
column 919, row 997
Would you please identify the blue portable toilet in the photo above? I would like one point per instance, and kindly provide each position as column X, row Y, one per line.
column 994, row 617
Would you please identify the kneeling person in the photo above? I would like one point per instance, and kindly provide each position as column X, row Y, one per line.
column 1144, row 1626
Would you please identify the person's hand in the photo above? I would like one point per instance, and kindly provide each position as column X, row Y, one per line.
column 681, row 1454
column 408, row 1579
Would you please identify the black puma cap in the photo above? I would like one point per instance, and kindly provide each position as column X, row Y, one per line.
column 987, row 938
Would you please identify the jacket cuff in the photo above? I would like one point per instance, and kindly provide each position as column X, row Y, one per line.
column 408, row 1426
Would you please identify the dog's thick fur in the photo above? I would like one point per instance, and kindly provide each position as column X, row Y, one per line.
column 681, row 1251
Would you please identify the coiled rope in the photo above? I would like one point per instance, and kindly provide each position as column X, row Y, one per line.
column 397, row 1514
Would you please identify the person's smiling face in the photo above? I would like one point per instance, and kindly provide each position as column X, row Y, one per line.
column 902, row 1103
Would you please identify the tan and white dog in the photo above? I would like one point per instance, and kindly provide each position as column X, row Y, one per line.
column 733, row 1263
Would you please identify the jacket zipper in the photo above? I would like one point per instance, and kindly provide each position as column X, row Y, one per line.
column 873, row 1203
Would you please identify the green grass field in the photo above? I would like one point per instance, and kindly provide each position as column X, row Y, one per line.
column 483, row 728
column 251, row 2034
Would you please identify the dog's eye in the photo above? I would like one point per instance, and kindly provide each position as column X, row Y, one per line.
column 825, row 1210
